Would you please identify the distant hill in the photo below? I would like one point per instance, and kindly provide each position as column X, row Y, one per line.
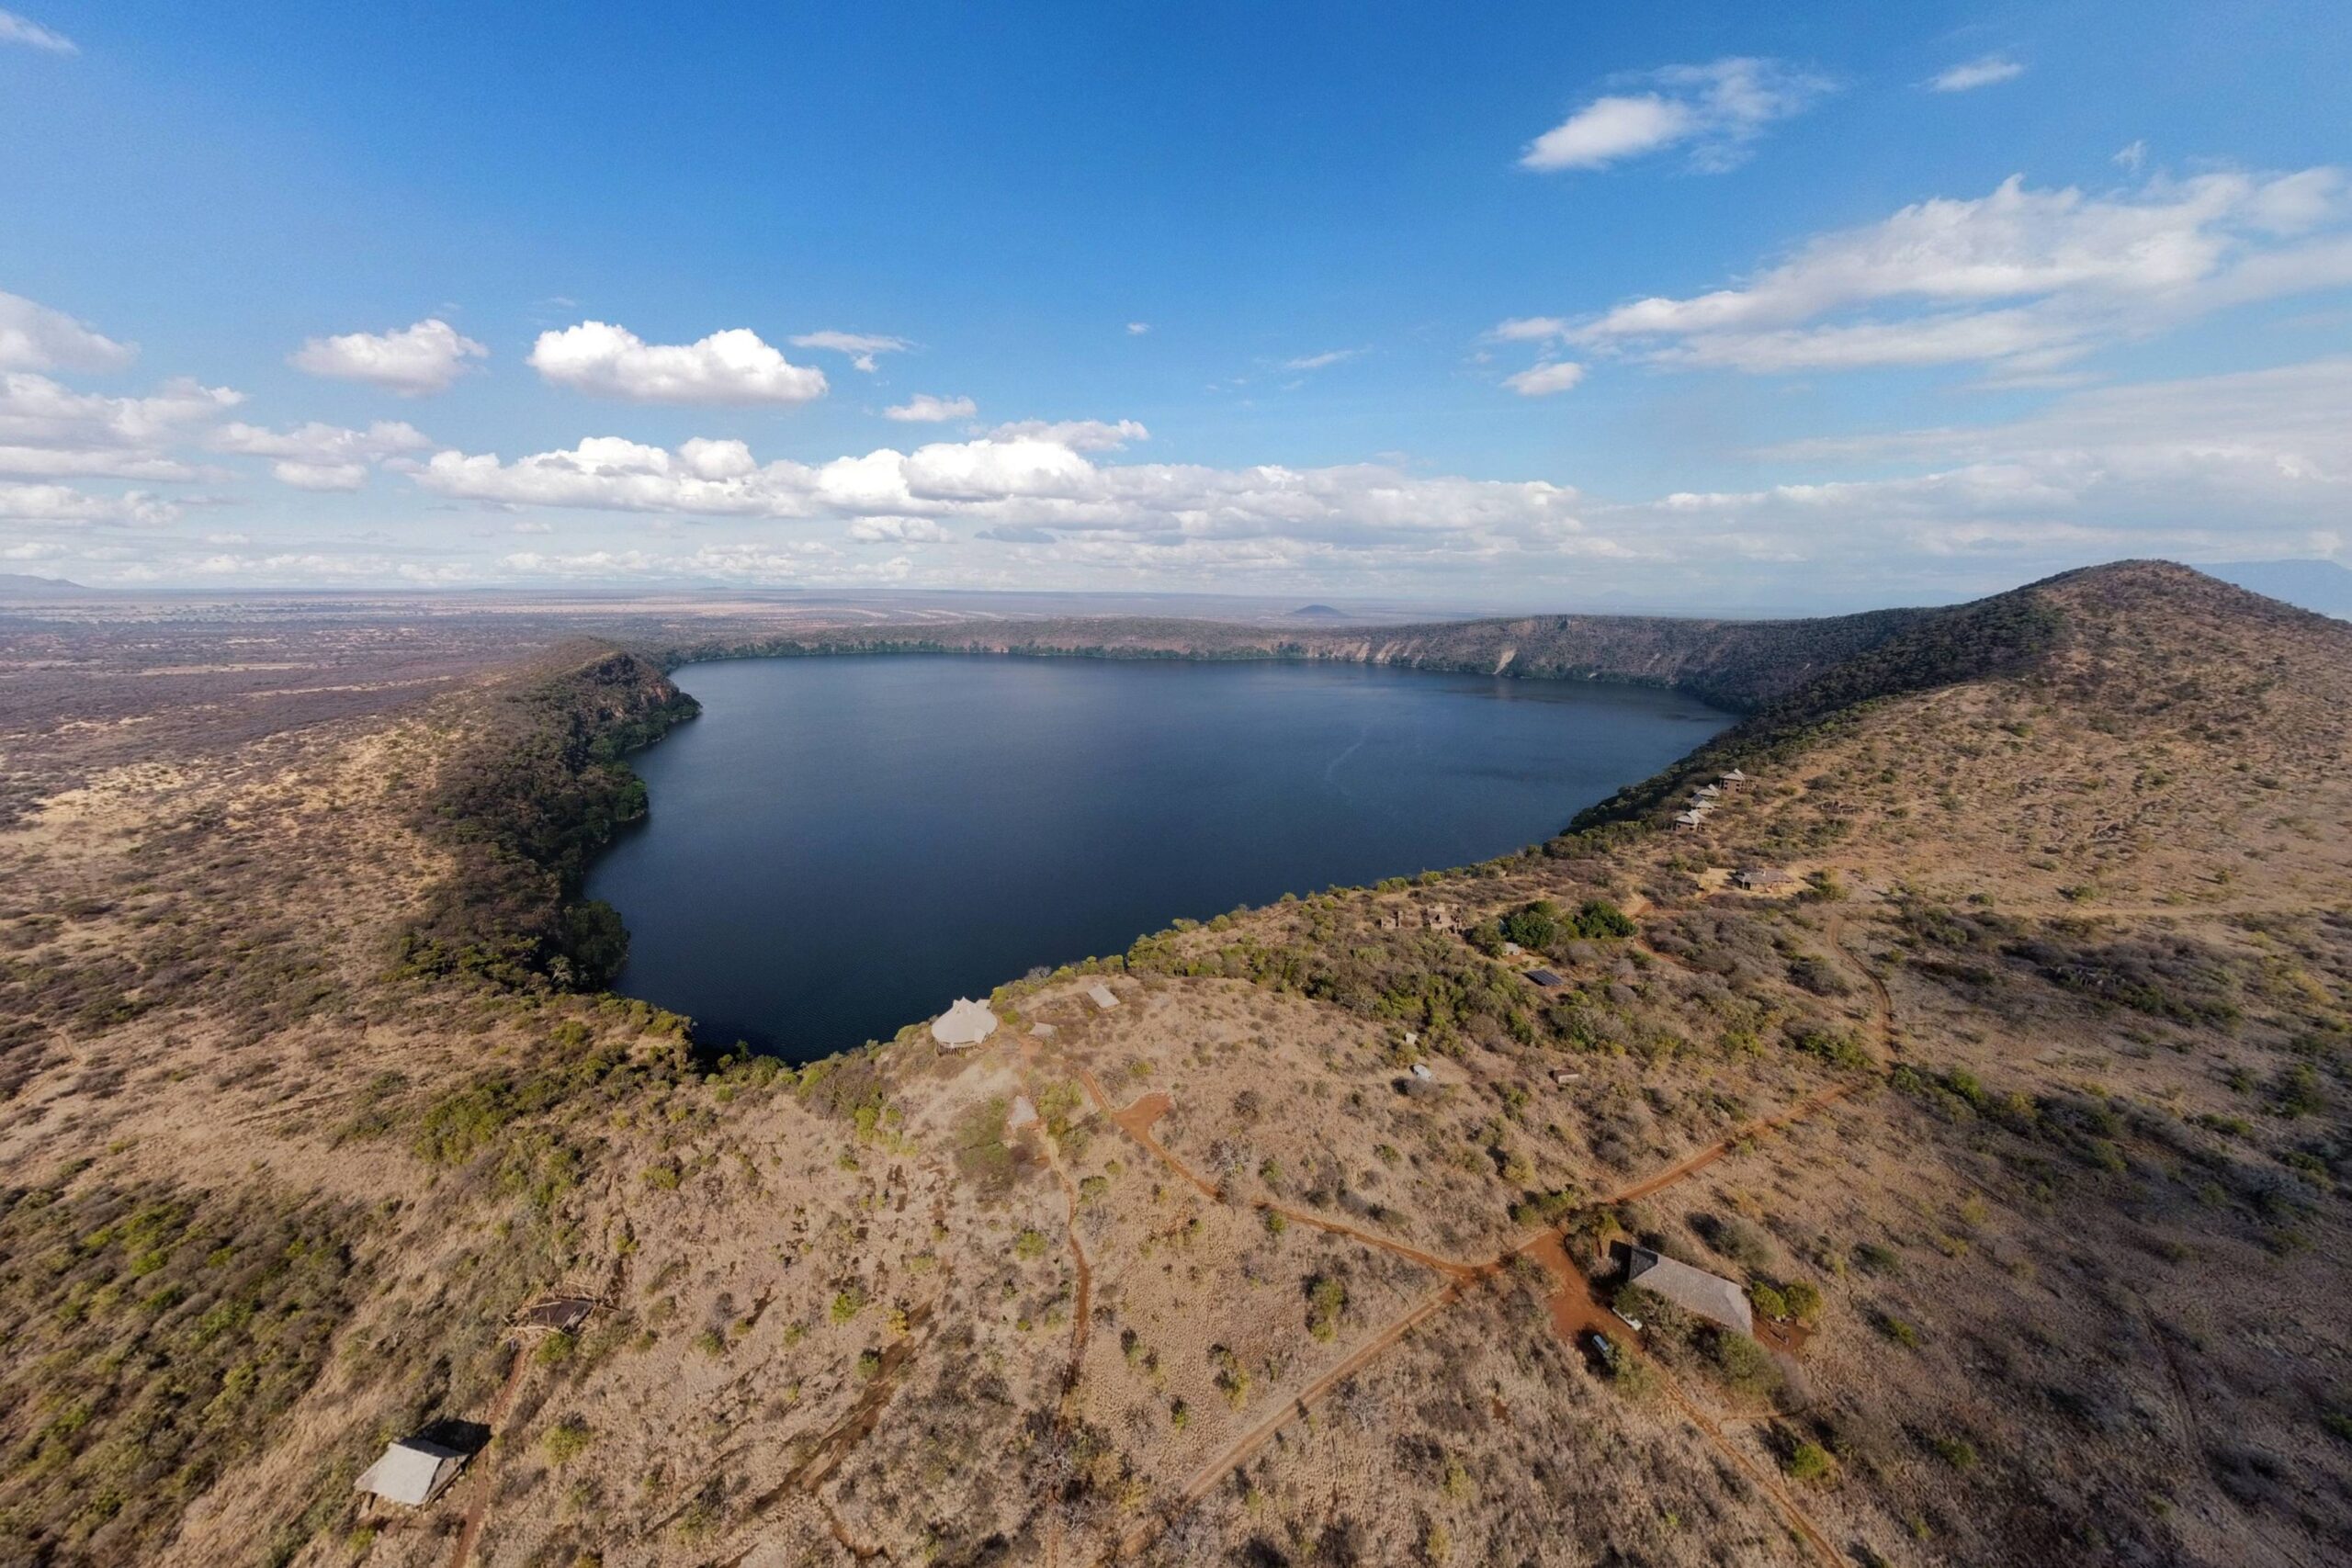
column 1319, row 613
column 19, row 585
column 2321, row 585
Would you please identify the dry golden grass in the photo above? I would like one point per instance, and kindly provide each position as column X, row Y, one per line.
column 2043, row 1087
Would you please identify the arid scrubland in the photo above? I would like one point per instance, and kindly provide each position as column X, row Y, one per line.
column 2022, row 1112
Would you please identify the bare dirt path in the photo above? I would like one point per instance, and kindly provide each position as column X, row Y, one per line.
column 2192, row 1431
column 1573, row 1307
column 1881, row 1000
column 479, row 1509
column 1137, row 1121
column 1766, row 1481
column 1576, row 1310
column 1082, row 1310
column 837, row 1442
column 1883, row 1008
column 1242, row 1448
column 2095, row 910
column 1690, row 1165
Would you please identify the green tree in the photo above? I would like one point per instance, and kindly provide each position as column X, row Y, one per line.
column 1535, row 925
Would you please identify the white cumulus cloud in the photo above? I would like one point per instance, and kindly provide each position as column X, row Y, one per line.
column 1529, row 329
column 1078, row 435
column 1717, row 110
column 53, row 430
column 65, row 504
column 34, row 337
column 734, row 367
column 925, row 409
column 2209, row 468
column 321, row 457
column 898, row 530
column 1024, row 491
column 412, row 361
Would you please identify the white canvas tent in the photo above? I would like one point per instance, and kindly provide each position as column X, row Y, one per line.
column 966, row 1023
column 1104, row 997
column 413, row 1470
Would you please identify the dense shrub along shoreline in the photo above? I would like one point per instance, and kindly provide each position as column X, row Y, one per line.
column 524, row 805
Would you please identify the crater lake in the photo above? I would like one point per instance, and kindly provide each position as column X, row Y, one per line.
column 841, row 846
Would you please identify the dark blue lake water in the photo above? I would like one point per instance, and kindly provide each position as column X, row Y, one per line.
column 842, row 846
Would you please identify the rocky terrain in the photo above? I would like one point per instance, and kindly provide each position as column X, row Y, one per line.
column 2015, row 1097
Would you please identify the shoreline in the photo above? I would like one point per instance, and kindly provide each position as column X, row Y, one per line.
column 1722, row 721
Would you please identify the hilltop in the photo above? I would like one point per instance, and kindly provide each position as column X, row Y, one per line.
column 2015, row 1098
column 18, row 583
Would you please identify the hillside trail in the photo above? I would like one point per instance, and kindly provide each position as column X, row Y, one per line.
column 1572, row 1303
column 1691, row 1165
column 2070, row 910
column 837, row 1442
column 1244, row 1447
column 1137, row 1121
column 1881, row 999
column 1882, row 1025
column 2192, row 1431
column 477, row 1511
column 1082, row 1310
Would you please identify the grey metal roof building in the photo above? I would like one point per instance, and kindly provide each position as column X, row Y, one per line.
column 1711, row 1296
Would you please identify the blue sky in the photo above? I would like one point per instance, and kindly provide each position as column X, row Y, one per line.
column 1509, row 306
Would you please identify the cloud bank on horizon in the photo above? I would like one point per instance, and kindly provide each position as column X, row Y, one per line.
column 1979, row 376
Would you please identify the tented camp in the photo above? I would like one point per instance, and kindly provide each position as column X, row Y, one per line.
column 1756, row 878
column 413, row 1471
column 1710, row 1296
column 966, row 1023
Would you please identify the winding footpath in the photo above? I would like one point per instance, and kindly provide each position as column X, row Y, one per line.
column 1573, row 1306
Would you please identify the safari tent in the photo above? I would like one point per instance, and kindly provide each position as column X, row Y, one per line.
column 413, row 1471
column 966, row 1023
